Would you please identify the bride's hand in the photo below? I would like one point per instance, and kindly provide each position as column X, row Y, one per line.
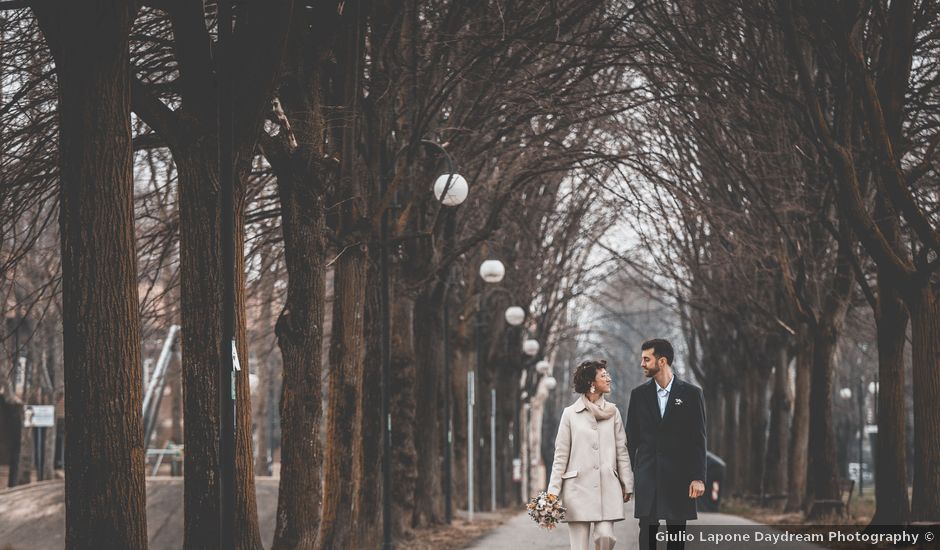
column 626, row 497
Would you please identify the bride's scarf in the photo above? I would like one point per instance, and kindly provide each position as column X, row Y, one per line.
column 601, row 409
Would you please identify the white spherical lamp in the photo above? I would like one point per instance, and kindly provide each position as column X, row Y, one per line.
column 845, row 393
column 530, row 347
column 492, row 271
column 457, row 189
column 515, row 315
column 543, row 367
column 550, row 383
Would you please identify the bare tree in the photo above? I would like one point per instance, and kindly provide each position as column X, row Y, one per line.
column 105, row 502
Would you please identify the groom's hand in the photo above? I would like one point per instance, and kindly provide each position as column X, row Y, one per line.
column 696, row 489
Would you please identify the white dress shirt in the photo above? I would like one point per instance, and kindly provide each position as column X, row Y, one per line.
column 662, row 394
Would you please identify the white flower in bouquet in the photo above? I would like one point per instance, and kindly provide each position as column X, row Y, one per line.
column 546, row 510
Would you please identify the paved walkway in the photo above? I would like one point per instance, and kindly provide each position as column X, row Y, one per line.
column 32, row 517
column 520, row 533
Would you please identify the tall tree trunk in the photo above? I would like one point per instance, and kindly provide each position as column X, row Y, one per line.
column 404, row 454
column 299, row 335
column 758, row 413
column 892, row 505
column 200, row 343
column 482, row 435
column 368, row 478
column 823, row 470
column 24, row 458
column 775, row 470
column 799, row 429
column 247, row 530
column 104, row 481
column 429, row 418
column 461, row 363
column 742, row 450
column 347, row 349
column 303, row 179
column 925, row 348
column 201, row 294
column 347, row 354
column 731, row 436
column 507, row 394
column 714, row 407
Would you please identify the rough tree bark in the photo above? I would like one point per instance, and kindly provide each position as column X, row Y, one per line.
column 347, row 352
column 404, row 454
column 798, row 452
column 429, row 490
column 731, row 437
column 191, row 134
column 925, row 350
column 892, row 505
column 302, row 179
column 345, row 387
column 299, row 335
column 104, row 481
column 742, row 449
column 758, row 449
column 368, row 477
column 775, row 469
column 823, row 478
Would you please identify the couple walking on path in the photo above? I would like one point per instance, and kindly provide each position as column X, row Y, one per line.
column 656, row 457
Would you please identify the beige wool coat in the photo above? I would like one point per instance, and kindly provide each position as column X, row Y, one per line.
column 591, row 469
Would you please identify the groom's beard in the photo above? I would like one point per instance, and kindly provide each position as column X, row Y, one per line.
column 651, row 372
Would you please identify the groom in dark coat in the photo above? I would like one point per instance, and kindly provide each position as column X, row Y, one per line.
column 666, row 440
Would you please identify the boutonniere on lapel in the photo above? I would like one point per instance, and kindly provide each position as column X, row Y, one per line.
column 677, row 402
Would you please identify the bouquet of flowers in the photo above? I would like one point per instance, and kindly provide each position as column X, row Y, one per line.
column 546, row 510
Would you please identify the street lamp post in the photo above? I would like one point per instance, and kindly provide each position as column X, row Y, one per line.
column 861, row 435
column 451, row 190
column 448, row 421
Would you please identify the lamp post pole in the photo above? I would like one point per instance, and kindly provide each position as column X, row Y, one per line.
column 493, row 449
column 861, row 435
column 471, row 381
column 448, row 421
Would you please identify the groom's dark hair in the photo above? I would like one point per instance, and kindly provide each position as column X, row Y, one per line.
column 661, row 348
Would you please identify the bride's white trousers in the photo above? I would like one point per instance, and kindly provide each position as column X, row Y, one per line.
column 580, row 533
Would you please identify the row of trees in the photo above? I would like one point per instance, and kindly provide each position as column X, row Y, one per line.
column 764, row 170
column 781, row 192
column 333, row 101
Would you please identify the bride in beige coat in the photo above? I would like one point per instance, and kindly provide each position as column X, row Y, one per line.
column 591, row 472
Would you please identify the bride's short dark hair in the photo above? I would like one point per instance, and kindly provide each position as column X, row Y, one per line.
column 585, row 373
